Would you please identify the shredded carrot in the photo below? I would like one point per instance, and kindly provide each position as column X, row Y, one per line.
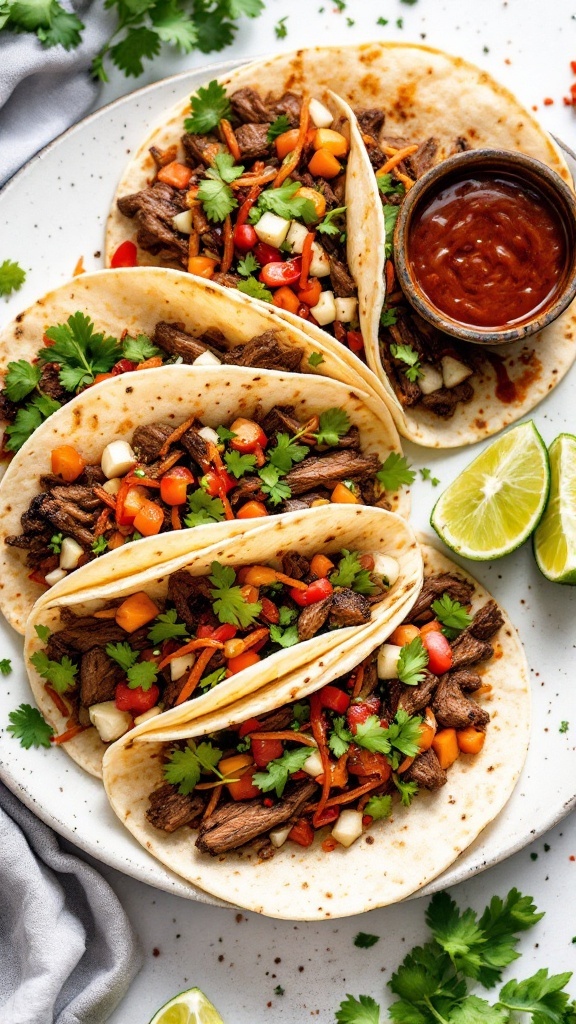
column 406, row 181
column 215, row 457
column 292, row 163
column 69, row 734
column 150, row 364
column 140, row 481
column 176, row 435
column 254, row 638
column 193, row 244
column 297, row 584
column 345, row 798
column 79, row 268
column 108, row 499
column 230, row 139
column 175, row 518
column 101, row 522
column 287, row 735
column 249, row 180
column 228, row 254
column 213, row 802
column 405, row 765
column 168, row 462
column 57, row 699
column 106, row 613
column 395, row 159
column 227, row 506
column 389, row 276
column 248, row 204
column 358, row 680
column 192, row 645
column 306, row 258
column 195, row 675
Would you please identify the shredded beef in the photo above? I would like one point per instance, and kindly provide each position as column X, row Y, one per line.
column 148, row 440
column 56, row 649
column 196, row 446
column 83, row 632
column 294, row 565
column 313, row 617
column 349, row 608
column 169, row 809
column 99, row 675
column 371, row 120
column 328, row 470
column 342, row 283
column 49, row 383
column 155, row 208
column 467, row 650
column 189, row 595
column 200, row 149
column 432, row 589
column 267, row 352
column 235, row 824
column 249, row 107
column 63, row 515
column 289, row 104
column 304, row 501
column 370, row 679
column 444, row 401
column 407, row 391
column 280, row 419
column 414, row 698
column 467, row 681
column 275, row 721
column 454, row 710
column 253, row 140
column 176, row 342
column 424, row 157
column 426, row 771
column 487, row 621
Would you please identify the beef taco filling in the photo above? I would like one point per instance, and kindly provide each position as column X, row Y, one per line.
column 254, row 199
column 75, row 355
column 169, row 478
column 138, row 657
column 344, row 756
column 424, row 366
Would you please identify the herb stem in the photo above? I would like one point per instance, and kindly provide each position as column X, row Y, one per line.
column 434, row 1011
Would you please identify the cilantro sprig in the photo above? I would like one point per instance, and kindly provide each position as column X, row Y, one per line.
column 183, row 768
column 278, row 771
column 407, row 355
column 215, row 193
column 255, row 289
column 12, row 276
column 352, row 575
column 412, row 661
column 395, row 472
column 279, row 126
column 208, row 106
column 229, row 604
column 28, row 419
column 452, row 615
column 166, row 627
column 327, row 225
column 30, row 727
column 285, row 203
column 203, row 509
column 60, row 674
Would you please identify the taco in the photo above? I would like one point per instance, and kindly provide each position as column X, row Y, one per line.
column 109, row 323
column 222, row 621
column 181, row 448
column 237, row 802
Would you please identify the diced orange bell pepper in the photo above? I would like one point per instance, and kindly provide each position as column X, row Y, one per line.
column 333, row 142
column 428, row 730
column 175, row 174
column 286, row 143
column 311, row 293
column 315, row 197
column 342, row 495
column 320, row 566
column 136, row 611
column 430, row 627
column 242, row 661
column 324, row 165
column 302, row 833
column 149, row 519
column 445, row 746
column 471, row 740
column 133, row 502
column 241, row 767
column 67, row 462
column 201, row 266
column 285, row 298
column 403, row 635
column 252, row 510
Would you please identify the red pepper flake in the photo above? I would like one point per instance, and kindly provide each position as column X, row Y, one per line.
column 534, row 106
column 572, row 857
column 573, row 66
column 268, row 802
column 573, row 91
column 548, row 101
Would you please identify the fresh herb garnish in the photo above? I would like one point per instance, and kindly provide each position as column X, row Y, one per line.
column 207, row 682
column 286, row 637
column 100, row 545
column 43, row 633
column 279, row 126
column 255, row 289
column 237, row 464
column 12, row 276
column 215, row 193
column 203, row 509
column 272, row 485
column 389, row 186
column 340, row 736
column 30, row 727
column 364, row 940
column 184, row 767
column 122, row 654
column 60, row 674
column 388, row 317
column 281, row 32
column 278, row 771
column 285, row 203
column 278, row 991
column 28, row 420
column 351, row 574
column 139, row 349
column 315, row 358
column 224, row 434
column 412, row 660
column 379, row 807
column 56, row 541
column 407, row 790
column 80, row 351
column 166, row 627
column 406, row 354
column 247, row 265
column 564, row 726
column 5, row 666
column 395, row 472
column 390, row 217
column 286, row 453
column 21, row 378
column 334, row 424
column 327, row 225
column 401, row 737
column 363, row 1010
column 209, row 105
column 142, row 675
column 452, row 615
column 229, row 603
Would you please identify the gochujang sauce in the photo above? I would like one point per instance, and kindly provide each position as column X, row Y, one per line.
column 488, row 251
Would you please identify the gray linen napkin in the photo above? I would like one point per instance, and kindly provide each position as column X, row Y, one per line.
column 67, row 951
column 44, row 91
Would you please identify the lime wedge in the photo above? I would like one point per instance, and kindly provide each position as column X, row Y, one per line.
column 555, row 538
column 190, row 1007
column 497, row 501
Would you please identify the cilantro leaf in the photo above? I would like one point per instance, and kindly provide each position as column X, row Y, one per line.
column 278, row 127
column 30, row 727
column 334, row 424
column 388, row 317
column 184, row 767
column 60, row 674
column 412, row 659
column 407, row 790
column 224, row 434
column 64, row 28
column 280, row 31
column 203, row 509
column 208, row 682
column 286, row 453
column 389, row 186
column 287, row 615
column 276, row 775
column 28, row 419
column 143, row 674
column 251, row 8
column 209, row 105
column 5, row 666
column 315, row 358
column 406, row 354
column 238, row 464
column 404, row 733
column 373, row 736
column 43, row 633
column 351, row 574
column 395, row 472
column 172, row 25
column 255, row 289
column 225, row 168
column 390, row 217
column 138, row 349
column 379, row 807
column 363, row 940
column 285, row 203
column 100, row 545
column 285, row 637
column 301, row 713
column 21, row 378
column 340, row 737
column 229, row 604
column 12, row 277
column 248, row 265
column 128, row 54
column 217, row 198
column 452, row 615
column 363, row 1010
column 327, row 225
column 540, row 995
column 80, row 351
column 272, row 485
column 122, row 654
column 166, row 627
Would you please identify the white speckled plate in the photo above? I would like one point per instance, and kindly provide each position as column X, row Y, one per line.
column 52, row 213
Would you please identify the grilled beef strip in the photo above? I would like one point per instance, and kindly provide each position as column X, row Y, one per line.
column 414, row 698
column 172, row 339
column 252, row 140
column 275, row 721
column 99, row 676
column 83, row 632
column 289, row 104
column 267, row 352
column 348, row 608
column 155, row 207
column 235, row 824
column 328, row 470
column 467, row 681
column 444, row 401
column 169, row 809
column 305, row 501
column 371, row 120
column 188, row 595
column 467, row 650
column 433, row 587
column 454, row 710
column 148, row 440
column 486, row 622
column 294, row 565
column 313, row 617
column 426, row 771
column 249, row 107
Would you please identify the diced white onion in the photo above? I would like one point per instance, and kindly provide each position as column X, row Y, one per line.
column 454, row 372
column 324, row 312
column 209, row 435
column 348, row 828
column 109, row 721
column 117, row 459
column 388, row 661
column 272, row 229
column 55, row 576
column 183, row 222
column 431, row 379
column 313, row 765
column 346, row 309
column 278, row 836
column 319, row 114
column 296, row 236
column 320, row 264
column 206, row 359
column 180, row 666
column 388, row 567
column 151, row 713
column 112, row 486
column 70, row 553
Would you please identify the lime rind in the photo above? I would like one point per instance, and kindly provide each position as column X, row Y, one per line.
column 555, row 538
column 188, row 1007
column 498, row 500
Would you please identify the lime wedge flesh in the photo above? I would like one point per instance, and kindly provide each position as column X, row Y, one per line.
column 190, row 1007
column 497, row 501
column 555, row 538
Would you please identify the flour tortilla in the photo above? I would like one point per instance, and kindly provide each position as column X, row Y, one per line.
column 215, row 395
column 408, row 851
column 324, row 529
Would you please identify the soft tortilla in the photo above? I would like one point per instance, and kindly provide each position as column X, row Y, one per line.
column 325, row 529
column 215, row 395
column 415, row 846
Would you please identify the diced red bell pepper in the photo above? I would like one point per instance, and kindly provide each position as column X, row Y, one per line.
column 251, row 725
column 249, row 436
column 440, row 654
column 357, row 714
column 264, row 751
column 316, row 591
column 328, row 816
column 366, row 763
column 126, row 255
column 334, row 699
column 135, row 700
column 123, row 366
column 278, row 274
column 355, row 341
column 173, row 485
column 214, row 483
column 222, row 633
column 265, row 253
column 302, row 833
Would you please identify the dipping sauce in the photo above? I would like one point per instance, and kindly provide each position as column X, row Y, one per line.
column 488, row 250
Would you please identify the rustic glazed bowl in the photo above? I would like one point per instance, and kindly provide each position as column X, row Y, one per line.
column 488, row 162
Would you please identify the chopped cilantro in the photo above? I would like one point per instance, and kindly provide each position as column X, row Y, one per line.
column 281, row 32
column 364, row 940
column 208, row 106
column 80, row 351
column 43, row 633
column 285, row 637
column 279, row 126
column 248, row 265
column 406, row 354
column 142, row 675
column 184, row 767
column 412, row 659
column 407, row 790
column 29, row 726
column 237, row 464
column 209, row 681
column 395, row 472
column 352, row 575
column 334, row 424
column 203, row 509
column 390, row 217
column 100, row 545
column 224, row 434
column 388, row 317
column 5, row 666
column 215, row 193
column 399, row 22
column 315, row 358
column 286, row 453
column 340, row 737
column 21, row 378
column 285, row 203
column 382, row 21
column 379, row 807
column 166, row 627
column 287, row 615
column 139, row 349
column 278, row 771
column 278, row 991
column 327, row 226
column 28, row 419
column 229, row 603
column 390, row 186
column 452, row 615
column 60, row 674
column 564, row 726
column 122, row 654
column 56, row 541
column 12, row 277
column 301, row 713
column 255, row 289
column 350, row 22
column 272, row 485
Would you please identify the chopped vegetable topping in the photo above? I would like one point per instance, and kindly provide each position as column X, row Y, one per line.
column 203, row 509
column 80, row 351
column 412, row 660
column 315, row 358
column 279, row 126
column 209, row 105
column 29, row 726
column 327, row 226
column 60, row 674
column 12, row 277
column 229, row 603
column 255, row 289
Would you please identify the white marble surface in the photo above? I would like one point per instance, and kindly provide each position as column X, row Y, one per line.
column 236, row 960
